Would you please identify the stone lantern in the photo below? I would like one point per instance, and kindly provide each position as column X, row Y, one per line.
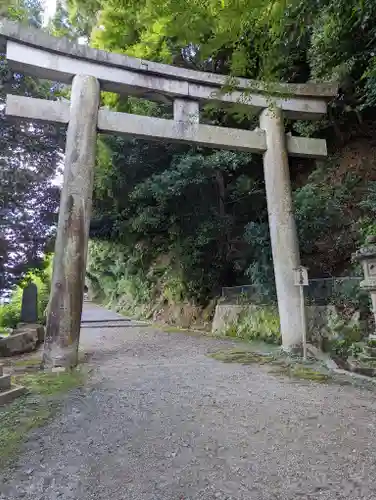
column 366, row 255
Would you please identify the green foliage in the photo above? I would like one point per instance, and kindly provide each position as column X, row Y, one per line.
column 355, row 349
column 260, row 271
column 368, row 206
column 279, row 365
column 262, row 323
column 241, row 356
column 117, row 277
column 10, row 312
column 139, row 189
column 34, row 409
column 272, row 40
column 205, row 212
column 30, row 155
column 349, row 295
column 51, row 384
column 318, row 210
column 321, row 212
column 344, row 336
column 340, row 347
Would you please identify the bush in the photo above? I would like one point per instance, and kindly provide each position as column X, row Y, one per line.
column 10, row 313
column 259, row 324
column 318, row 211
column 260, row 271
column 345, row 336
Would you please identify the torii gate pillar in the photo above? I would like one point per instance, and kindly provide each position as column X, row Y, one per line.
column 34, row 52
column 283, row 235
column 68, row 281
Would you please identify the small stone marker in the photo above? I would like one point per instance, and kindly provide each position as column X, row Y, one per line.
column 29, row 308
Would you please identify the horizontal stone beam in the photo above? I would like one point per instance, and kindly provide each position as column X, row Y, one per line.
column 145, row 127
column 57, row 67
column 37, row 109
column 10, row 30
column 306, row 147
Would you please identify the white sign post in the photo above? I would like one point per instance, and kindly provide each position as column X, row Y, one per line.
column 301, row 280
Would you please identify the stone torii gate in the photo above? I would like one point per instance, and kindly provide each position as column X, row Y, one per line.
column 89, row 71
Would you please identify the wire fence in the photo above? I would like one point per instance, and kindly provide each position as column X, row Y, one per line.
column 337, row 291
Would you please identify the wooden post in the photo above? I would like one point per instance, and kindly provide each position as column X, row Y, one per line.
column 66, row 298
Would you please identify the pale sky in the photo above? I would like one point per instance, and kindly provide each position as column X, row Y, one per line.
column 49, row 9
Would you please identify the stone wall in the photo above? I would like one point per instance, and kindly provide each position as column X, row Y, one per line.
column 320, row 319
column 227, row 314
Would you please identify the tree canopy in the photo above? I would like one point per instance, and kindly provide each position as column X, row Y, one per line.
column 206, row 210
column 203, row 212
column 29, row 160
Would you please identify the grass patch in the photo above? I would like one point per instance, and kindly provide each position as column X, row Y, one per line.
column 168, row 328
column 303, row 373
column 306, row 373
column 20, row 363
column 242, row 357
column 176, row 329
column 34, row 409
column 50, row 384
column 32, row 364
column 280, row 365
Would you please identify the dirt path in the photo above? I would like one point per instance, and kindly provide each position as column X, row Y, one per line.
column 162, row 421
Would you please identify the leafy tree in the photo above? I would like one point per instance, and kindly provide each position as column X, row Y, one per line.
column 207, row 210
column 30, row 156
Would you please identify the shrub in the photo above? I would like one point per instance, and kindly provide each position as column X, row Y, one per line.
column 262, row 323
column 344, row 338
column 10, row 313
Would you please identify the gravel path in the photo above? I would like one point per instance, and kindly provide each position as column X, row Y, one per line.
column 162, row 421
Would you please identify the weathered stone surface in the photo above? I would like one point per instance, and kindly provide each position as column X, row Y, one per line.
column 66, row 297
column 227, row 314
column 34, row 37
column 319, row 321
column 11, row 394
column 37, row 109
column 306, row 147
column 177, row 130
column 282, row 227
column 62, row 67
column 19, row 343
column 16, row 31
column 24, row 327
column 318, row 354
column 4, row 382
column 186, row 111
column 362, row 366
column 29, row 306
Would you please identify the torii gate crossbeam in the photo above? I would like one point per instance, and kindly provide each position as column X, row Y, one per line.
column 36, row 53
